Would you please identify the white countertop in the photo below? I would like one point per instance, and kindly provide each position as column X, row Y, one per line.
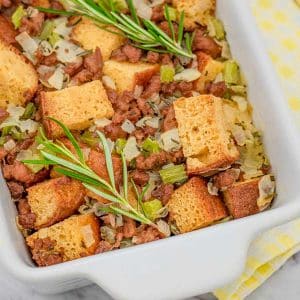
column 282, row 285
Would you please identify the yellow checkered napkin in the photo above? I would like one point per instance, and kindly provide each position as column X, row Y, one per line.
column 279, row 21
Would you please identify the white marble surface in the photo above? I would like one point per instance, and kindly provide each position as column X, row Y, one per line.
column 282, row 285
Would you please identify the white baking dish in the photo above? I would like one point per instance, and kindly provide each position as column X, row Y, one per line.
column 197, row 262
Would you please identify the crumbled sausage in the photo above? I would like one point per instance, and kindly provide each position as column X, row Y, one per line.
column 152, row 161
column 164, row 26
column 152, row 87
column 26, row 218
column 129, row 227
column 206, row 44
column 163, row 193
column 94, row 63
column 16, row 189
column 140, row 177
column 6, row 3
column 146, row 235
column 118, row 55
column 19, row 172
column 32, row 25
column 74, row 67
column 133, row 54
column 42, row 252
column 217, row 89
column 3, row 153
column 114, row 132
column 225, row 179
column 157, row 14
column 152, row 57
column 169, row 121
column 144, row 107
column 82, row 77
column 166, row 59
column 7, row 31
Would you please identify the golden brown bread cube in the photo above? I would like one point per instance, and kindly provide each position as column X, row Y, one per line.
column 204, row 134
column 249, row 197
column 209, row 69
column 18, row 78
column 54, row 200
column 77, row 107
column 127, row 75
column 75, row 237
column 195, row 11
column 192, row 207
column 90, row 36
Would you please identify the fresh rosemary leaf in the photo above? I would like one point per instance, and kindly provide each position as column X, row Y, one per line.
column 167, row 14
column 108, row 159
column 106, row 196
column 133, row 12
column 38, row 162
column 125, row 175
column 139, row 218
column 55, row 11
column 70, row 136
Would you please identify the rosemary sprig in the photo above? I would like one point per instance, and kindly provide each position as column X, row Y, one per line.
column 144, row 33
column 74, row 166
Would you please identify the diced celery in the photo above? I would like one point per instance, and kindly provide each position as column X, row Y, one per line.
column 219, row 29
column 47, row 30
column 17, row 16
column 2, row 140
column 167, row 73
column 16, row 134
column 6, row 130
column 120, row 144
column 88, row 138
column 53, row 38
column 239, row 89
column 150, row 146
column 152, row 208
column 231, row 72
column 172, row 14
column 30, row 109
column 173, row 174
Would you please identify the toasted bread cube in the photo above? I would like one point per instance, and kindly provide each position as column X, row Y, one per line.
column 18, row 78
column 209, row 69
column 127, row 75
column 76, row 107
column 244, row 198
column 195, row 11
column 54, row 200
column 75, row 237
column 192, row 207
column 90, row 36
column 204, row 135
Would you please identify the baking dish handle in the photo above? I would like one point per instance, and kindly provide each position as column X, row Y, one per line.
column 184, row 266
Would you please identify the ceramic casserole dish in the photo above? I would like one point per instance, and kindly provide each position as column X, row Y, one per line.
column 200, row 261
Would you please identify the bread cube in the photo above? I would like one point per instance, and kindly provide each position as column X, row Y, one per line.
column 244, row 198
column 54, row 200
column 127, row 75
column 209, row 69
column 75, row 237
column 76, row 107
column 90, row 36
column 204, row 135
column 18, row 78
column 195, row 11
column 192, row 207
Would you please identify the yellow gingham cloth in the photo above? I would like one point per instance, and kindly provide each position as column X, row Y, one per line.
column 279, row 22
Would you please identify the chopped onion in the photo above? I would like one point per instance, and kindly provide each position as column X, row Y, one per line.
column 86, row 153
column 153, row 122
column 109, row 82
column 43, row 69
column 239, row 135
column 187, row 75
column 131, row 150
column 241, row 102
column 9, row 145
column 219, row 78
column 266, row 188
column 127, row 126
column 143, row 10
column 213, row 190
column 66, row 51
column 31, row 12
column 63, row 30
column 15, row 111
column 102, row 122
column 28, row 125
column 28, row 154
column 88, row 235
column 170, row 141
column 28, row 44
column 57, row 79
column 164, row 228
column 46, row 48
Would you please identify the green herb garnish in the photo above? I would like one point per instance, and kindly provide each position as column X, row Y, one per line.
column 75, row 166
column 173, row 174
column 144, row 33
